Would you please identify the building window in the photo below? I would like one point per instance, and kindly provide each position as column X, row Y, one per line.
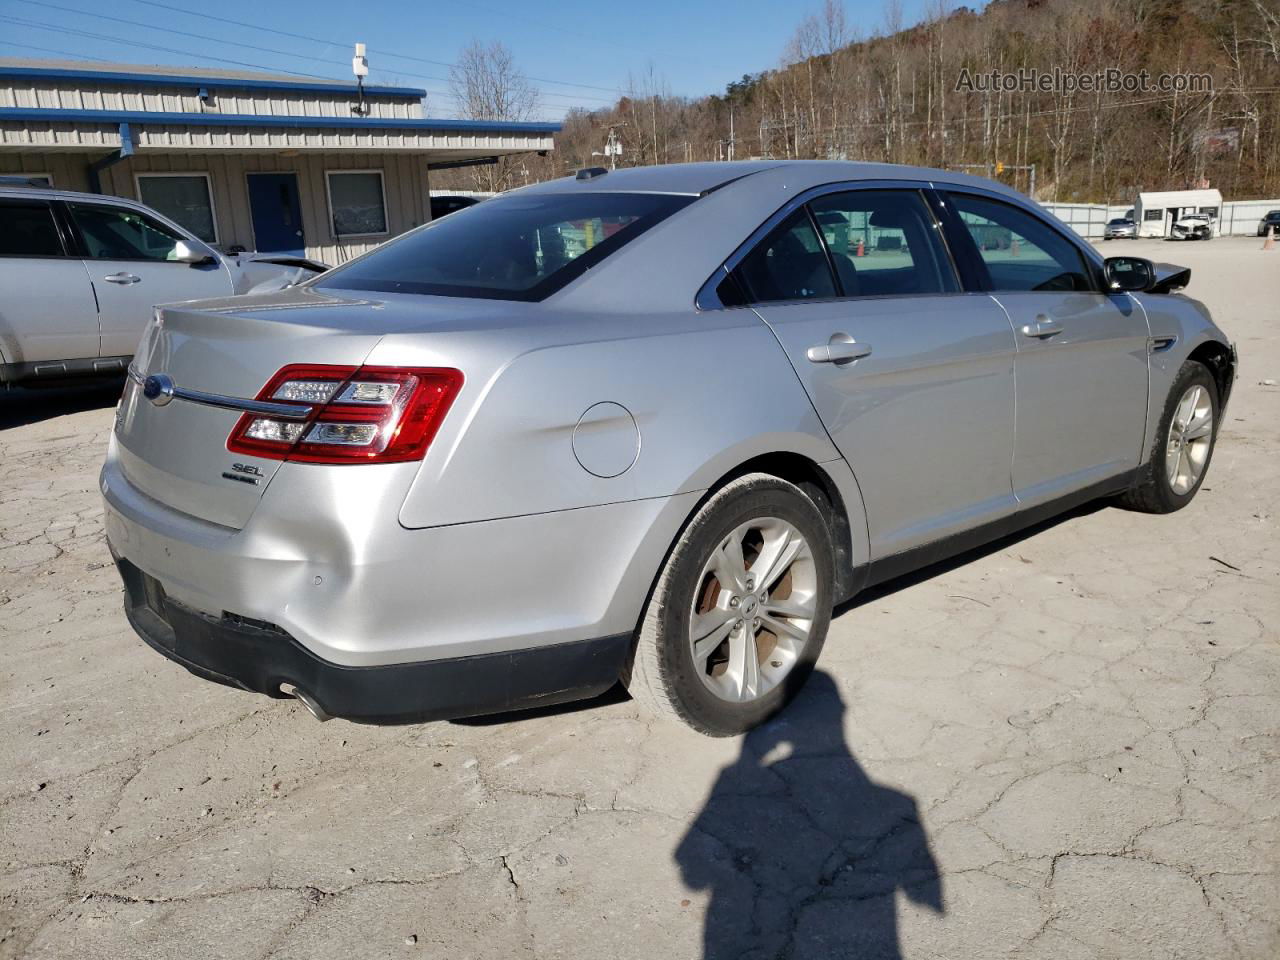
column 357, row 203
column 185, row 198
column 1151, row 215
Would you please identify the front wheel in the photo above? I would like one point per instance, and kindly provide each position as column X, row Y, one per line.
column 740, row 610
column 1184, row 444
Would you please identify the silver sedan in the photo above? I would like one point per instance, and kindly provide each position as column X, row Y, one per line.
column 648, row 425
column 1120, row 229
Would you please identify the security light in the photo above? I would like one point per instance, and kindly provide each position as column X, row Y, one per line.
column 360, row 67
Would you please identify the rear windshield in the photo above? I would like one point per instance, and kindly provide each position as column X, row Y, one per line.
column 508, row 248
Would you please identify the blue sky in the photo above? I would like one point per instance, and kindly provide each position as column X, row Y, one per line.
column 589, row 47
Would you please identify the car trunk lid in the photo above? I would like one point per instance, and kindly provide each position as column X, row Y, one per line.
column 176, row 452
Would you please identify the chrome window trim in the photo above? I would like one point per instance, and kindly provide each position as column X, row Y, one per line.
column 286, row 411
column 707, row 298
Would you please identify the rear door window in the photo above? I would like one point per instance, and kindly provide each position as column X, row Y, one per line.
column 883, row 243
column 789, row 264
column 27, row 229
column 118, row 233
column 508, row 248
column 1021, row 251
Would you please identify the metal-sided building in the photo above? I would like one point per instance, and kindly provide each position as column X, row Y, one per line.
column 1156, row 212
column 260, row 162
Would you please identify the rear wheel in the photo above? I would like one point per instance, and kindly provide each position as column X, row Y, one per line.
column 1184, row 444
column 740, row 610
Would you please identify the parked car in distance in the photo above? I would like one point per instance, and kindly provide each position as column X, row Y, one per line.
column 1193, row 226
column 80, row 276
column 481, row 468
column 1120, row 228
column 443, row 206
column 1270, row 222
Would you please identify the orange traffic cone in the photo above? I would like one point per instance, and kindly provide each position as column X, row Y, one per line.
column 861, row 251
column 1013, row 247
column 1271, row 239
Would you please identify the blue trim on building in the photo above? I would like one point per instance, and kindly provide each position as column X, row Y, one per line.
column 182, row 80
column 146, row 118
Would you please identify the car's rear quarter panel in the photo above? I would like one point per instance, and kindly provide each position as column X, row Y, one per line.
column 701, row 401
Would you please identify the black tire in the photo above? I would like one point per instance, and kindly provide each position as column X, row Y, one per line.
column 662, row 675
column 1153, row 492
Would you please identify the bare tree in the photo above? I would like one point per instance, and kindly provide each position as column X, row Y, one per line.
column 488, row 86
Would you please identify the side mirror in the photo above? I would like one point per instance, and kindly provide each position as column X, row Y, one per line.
column 183, row 252
column 1130, row 274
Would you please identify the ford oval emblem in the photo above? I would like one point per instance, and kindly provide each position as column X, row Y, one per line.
column 158, row 388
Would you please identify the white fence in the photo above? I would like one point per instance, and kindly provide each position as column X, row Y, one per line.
column 1237, row 218
column 1086, row 219
column 1241, row 217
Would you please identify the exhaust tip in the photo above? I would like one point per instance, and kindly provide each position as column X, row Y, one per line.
column 307, row 701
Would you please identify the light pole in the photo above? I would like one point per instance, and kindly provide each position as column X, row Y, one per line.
column 613, row 146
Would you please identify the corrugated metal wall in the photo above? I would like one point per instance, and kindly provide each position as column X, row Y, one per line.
column 106, row 95
column 70, row 171
column 57, row 134
column 404, row 180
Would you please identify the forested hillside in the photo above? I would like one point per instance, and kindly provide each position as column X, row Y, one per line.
column 882, row 91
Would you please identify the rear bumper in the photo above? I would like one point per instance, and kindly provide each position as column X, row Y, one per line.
column 260, row 657
column 330, row 566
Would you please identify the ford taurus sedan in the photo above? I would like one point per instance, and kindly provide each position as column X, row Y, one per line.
column 648, row 425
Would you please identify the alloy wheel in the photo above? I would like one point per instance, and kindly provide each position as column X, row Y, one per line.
column 753, row 609
column 1190, row 439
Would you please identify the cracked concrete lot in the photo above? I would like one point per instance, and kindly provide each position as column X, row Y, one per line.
column 1062, row 747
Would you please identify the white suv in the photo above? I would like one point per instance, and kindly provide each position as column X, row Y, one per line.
column 80, row 274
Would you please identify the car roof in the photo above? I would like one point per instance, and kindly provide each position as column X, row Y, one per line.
column 677, row 178
column 693, row 179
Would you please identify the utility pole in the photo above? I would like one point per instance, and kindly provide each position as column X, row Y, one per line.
column 732, row 139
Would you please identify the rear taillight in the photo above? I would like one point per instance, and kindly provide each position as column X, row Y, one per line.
column 358, row 414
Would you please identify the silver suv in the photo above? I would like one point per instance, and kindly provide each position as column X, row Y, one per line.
column 80, row 274
column 647, row 425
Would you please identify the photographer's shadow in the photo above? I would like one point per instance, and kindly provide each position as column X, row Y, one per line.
column 804, row 854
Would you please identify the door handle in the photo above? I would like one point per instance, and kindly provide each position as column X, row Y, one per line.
column 122, row 278
column 841, row 348
column 1042, row 328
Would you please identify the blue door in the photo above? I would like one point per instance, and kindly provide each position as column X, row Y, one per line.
column 276, row 212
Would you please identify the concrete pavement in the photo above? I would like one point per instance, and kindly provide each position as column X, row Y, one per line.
column 1062, row 747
